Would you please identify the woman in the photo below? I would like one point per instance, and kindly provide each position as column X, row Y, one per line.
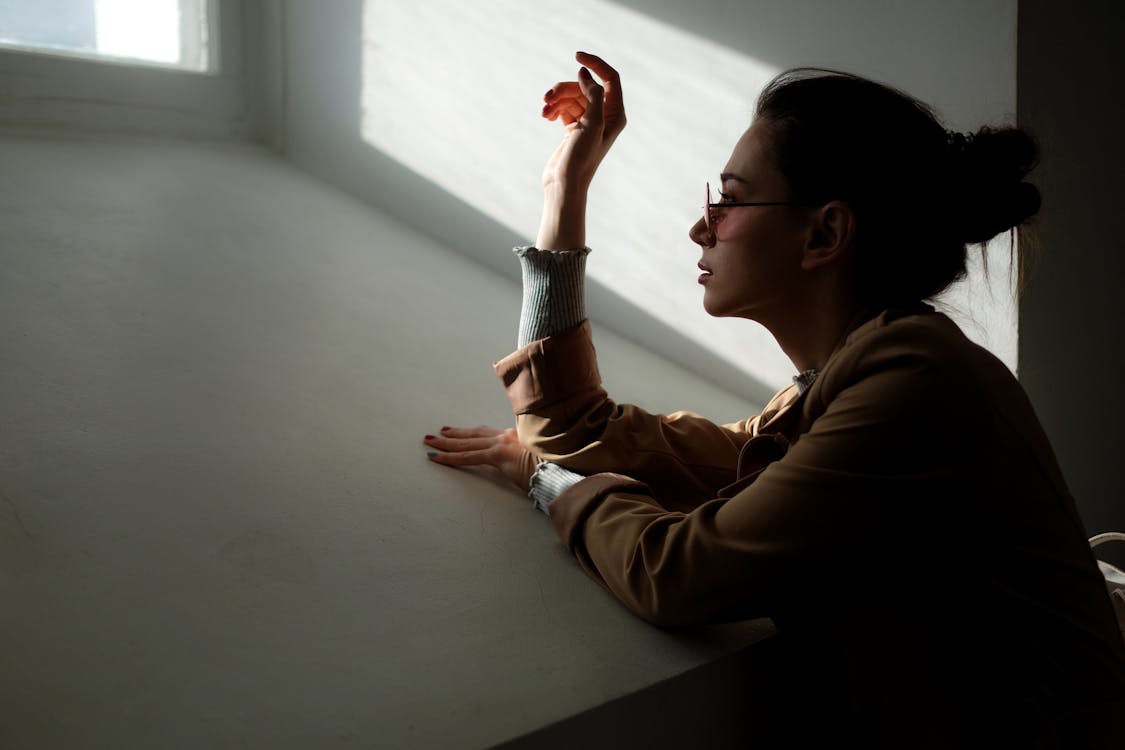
column 897, row 511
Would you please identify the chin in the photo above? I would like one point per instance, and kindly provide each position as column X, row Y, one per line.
column 710, row 308
column 716, row 307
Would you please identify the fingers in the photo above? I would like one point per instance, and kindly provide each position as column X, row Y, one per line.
column 449, row 444
column 594, row 93
column 601, row 104
column 571, row 108
column 483, row 447
column 604, row 70
column 473, row 446
column 462, row 458
column 563, row 90
column 574, row 98
column 465, row 446
column 468, row 432
column 614, row 112
column 565, row 100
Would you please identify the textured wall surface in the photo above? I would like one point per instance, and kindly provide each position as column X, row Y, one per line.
column 958, row 56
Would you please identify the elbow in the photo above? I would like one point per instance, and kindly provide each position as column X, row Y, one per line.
column 661, row 607
column 669, row 600
column 668, row 619
column 685, row 613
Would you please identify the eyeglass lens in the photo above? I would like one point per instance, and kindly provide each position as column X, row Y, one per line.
column 707, row 209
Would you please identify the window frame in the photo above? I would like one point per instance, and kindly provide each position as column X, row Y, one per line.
column 45, row 91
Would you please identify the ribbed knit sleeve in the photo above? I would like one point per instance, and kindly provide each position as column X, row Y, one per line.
column 548, row 482
column 554, row 291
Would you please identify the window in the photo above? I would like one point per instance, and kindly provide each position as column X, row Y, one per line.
column 162, row 33
column 168, row 67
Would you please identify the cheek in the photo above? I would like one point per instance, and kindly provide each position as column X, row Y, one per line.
column 729, row 229
column 770, row 243
column 742, row 226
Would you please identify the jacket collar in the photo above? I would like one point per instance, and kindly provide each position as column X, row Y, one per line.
column 777, row 417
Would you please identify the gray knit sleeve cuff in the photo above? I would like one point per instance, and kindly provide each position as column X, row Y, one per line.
column 554, row 291
column 548, row 482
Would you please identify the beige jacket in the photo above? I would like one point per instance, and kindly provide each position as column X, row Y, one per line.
column 906, row 513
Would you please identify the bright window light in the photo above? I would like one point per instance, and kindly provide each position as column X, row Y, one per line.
column 163, row 33
column 452, row 90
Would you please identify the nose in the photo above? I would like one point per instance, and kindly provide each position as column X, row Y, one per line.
column 701, row 235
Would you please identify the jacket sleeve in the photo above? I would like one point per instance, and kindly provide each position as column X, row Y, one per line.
column 564, row 415
column 860, row 481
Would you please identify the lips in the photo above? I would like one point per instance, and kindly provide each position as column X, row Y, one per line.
column 706, row 275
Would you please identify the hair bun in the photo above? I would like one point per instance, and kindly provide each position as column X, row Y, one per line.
column 987, row 171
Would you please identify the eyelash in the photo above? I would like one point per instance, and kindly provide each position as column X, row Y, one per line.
column 724, row 197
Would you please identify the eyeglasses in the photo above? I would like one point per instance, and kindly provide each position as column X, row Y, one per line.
column 708, row 208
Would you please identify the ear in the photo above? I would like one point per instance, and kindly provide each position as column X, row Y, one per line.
column 831, row 235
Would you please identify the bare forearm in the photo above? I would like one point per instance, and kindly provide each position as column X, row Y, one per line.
column 563, row 223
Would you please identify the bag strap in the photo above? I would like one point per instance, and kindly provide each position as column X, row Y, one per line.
column 1109, row 536
column 1116, row 591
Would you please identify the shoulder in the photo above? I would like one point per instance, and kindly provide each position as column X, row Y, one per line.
column 900, row 396
column 909, row 361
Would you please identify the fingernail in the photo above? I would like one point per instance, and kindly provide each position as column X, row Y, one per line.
column 583, row 72
column 549, row 93
column 446, row 429
column 546, row 108
column 431, row 454
column 428, row 437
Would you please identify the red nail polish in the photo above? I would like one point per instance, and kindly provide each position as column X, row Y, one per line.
column 548, row 94
column 446, row 429
column 429, row 437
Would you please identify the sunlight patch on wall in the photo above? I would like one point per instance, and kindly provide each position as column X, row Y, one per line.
column 465, row 114
column 453, row 91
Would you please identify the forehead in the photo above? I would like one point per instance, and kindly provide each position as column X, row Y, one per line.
column 751, row 159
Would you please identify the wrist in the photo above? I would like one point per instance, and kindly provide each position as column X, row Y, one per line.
column 562, row 225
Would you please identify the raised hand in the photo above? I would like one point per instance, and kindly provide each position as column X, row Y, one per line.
column 484, row 446
column 593, row 115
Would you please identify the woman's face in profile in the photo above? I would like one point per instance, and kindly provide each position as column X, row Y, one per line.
column 752, row 255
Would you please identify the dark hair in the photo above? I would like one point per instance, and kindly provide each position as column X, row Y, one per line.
column 919, row 192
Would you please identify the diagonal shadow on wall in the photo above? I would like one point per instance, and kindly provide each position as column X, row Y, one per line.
column 324, row 138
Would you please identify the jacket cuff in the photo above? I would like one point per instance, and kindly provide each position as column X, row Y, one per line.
column 550, row 370
column 570, row 509
column 554, row 291
column 548, row 482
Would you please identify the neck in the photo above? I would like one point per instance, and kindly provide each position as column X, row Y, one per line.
column 808, row 333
